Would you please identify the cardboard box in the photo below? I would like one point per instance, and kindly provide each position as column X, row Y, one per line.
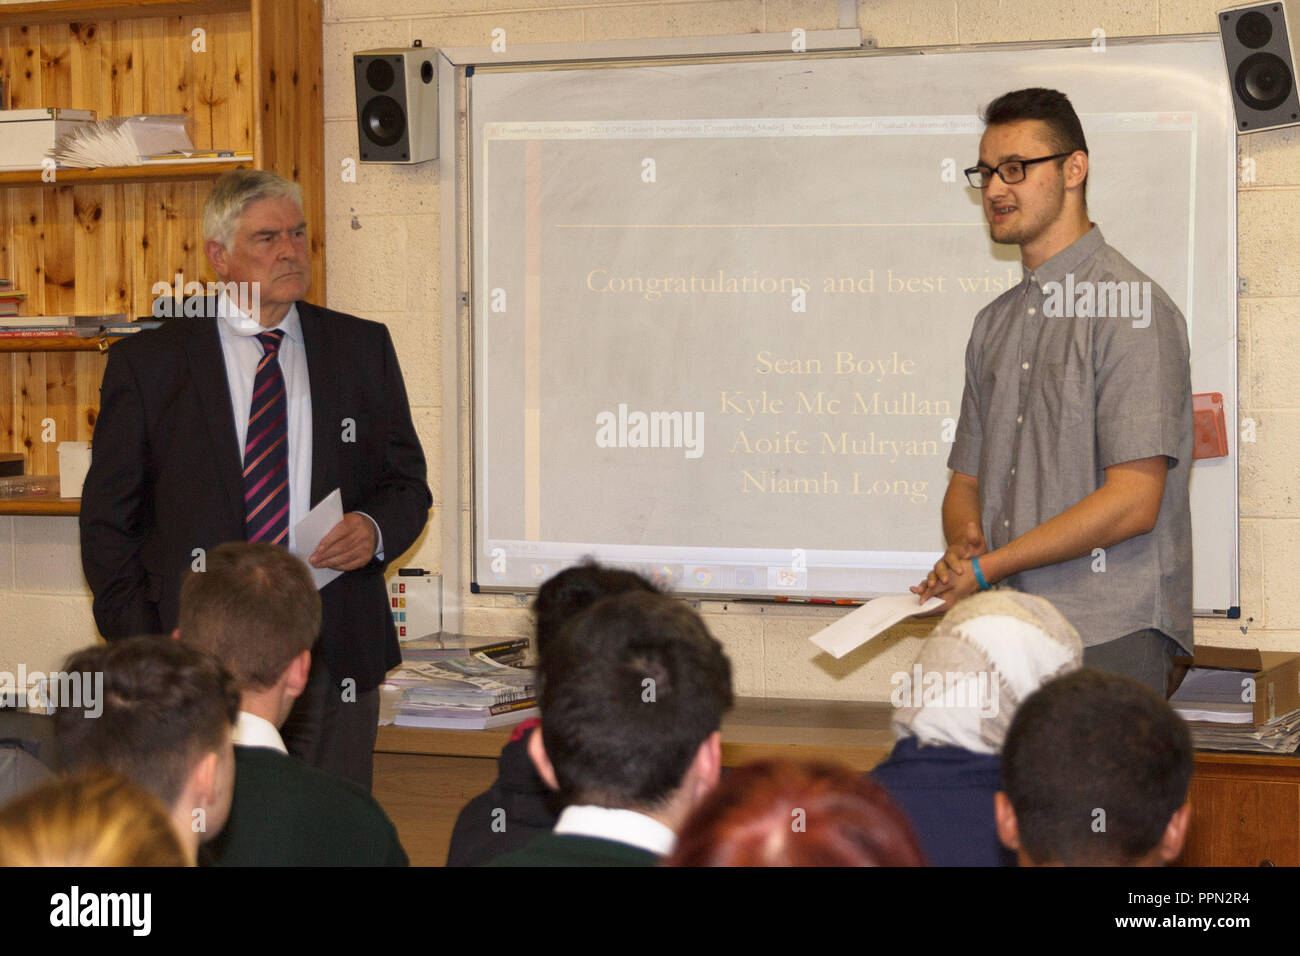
column 1276, row 675
column 26, row 136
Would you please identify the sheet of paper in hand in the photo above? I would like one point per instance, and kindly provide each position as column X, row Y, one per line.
column 871, row 619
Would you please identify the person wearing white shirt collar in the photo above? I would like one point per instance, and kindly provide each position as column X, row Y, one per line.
column 255, row 609
column 216, row 428
column 633, row 693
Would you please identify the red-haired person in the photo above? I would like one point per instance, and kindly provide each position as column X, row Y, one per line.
column 788, row 813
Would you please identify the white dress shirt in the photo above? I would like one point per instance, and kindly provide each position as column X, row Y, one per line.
column 621, row 826
column 253, row 731
column 243, row 353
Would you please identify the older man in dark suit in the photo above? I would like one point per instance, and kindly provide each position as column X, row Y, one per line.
column 231, row 426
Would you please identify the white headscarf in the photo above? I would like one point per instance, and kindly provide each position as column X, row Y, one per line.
column 987, row 655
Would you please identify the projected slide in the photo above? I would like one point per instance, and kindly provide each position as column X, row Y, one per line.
column 729, row 351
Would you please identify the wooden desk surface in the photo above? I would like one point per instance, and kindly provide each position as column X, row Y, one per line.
column 851, row 732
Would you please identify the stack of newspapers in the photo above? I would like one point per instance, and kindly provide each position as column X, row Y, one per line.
column 464, row 693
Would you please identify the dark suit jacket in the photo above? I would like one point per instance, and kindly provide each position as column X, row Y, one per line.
column 165, row 476
column 571, row 850
column 285, row 813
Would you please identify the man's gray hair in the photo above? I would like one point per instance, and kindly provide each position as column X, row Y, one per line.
column 232, row 194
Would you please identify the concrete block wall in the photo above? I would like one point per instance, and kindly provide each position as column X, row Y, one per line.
column 382, row 237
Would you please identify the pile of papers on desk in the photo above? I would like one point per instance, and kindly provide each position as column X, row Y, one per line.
column 464, row 693
column 1236, row 699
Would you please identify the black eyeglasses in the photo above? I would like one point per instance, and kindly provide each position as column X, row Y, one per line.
column 1012, row 171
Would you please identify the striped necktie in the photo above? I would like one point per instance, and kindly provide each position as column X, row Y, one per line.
column 266, row 450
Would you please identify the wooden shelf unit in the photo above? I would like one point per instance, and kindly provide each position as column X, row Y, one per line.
column 97, row 241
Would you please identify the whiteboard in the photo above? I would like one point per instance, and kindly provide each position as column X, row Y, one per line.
column 720, row 309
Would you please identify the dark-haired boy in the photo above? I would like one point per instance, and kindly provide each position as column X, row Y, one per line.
column 519, row 806
column 1095, row 772
column 255, row 609
column 166, row 723
column 1076, row 421
column 633, row 694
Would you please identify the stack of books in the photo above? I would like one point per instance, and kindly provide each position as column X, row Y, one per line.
column 464, row 693
column 445, row 646
column 10, row 298
column 62, row 326
column 1221, row 715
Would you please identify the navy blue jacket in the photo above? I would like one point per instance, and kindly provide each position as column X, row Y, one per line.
column 947, row 792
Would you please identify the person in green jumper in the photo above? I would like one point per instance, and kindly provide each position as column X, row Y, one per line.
column 256, row 610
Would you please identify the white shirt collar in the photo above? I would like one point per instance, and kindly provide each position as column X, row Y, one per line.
column 240, row 322
column 621, row 826
column 253, row 731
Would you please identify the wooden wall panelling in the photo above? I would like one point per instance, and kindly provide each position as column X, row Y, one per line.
column 29, row 374
column 119, row 92
column 28, row 210
column 178, row 70
column 203, row 80
column 309, row 112
column 147, row 265
column 23, row 88
column 59, row 254
column 8, row 404
column 6, row 70
column 84, row 58
column 236, row 41
column 56, row 65
column 149, row 65
column 117, row 239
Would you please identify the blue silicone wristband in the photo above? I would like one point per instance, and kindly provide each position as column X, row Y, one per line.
column 979, row 575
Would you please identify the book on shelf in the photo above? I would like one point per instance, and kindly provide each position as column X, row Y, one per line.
column 61, row 321
column 39, row 333
column 435, row 648
column 467, row 718
column 197, row 156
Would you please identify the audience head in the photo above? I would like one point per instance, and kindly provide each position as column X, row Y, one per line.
column 94, row 818
column 989, row 653
column 788, row 813
column 632, row 696
column 1095, row 771
column 575, row 589
column 255, row 609
column 168, row 710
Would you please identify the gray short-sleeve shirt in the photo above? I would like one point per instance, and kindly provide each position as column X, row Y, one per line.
column 1082, row 365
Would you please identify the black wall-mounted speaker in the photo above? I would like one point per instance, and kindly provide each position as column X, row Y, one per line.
column 397, row 105
column 1259, row 48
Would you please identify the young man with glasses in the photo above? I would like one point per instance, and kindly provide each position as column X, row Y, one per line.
column 1071, row 460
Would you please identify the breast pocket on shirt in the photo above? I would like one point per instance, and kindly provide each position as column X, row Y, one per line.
column 1067, row 396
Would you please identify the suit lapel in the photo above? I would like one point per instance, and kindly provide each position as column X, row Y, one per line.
column 322, row 372
column 208, row 373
